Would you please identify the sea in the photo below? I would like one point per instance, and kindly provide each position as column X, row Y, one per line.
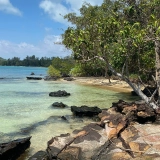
column 26, row 107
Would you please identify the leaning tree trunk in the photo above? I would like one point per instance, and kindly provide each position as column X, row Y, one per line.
column 157, row 52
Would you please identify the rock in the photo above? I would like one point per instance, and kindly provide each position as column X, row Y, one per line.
column 71, row 153
column 59, row 105
column 34, row 78
column 68, row 78
column 49, row 78
column 136, row 111
column 115, row 137
column 85, row 111
column 64, row 118
column 32, row 73
column 59, row 94
column 12, row 150
column 79, row 145
column 40, row 155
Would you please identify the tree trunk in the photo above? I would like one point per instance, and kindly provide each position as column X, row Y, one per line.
column 157, row 52
column 106, row 74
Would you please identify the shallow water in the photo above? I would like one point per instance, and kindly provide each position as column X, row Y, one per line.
column 26, row 108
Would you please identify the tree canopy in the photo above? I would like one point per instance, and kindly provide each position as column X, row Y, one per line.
column 123, row 36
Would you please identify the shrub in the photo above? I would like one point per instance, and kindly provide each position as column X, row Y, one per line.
column 53, row 72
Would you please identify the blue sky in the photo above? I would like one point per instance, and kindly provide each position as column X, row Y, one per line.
column 30, row 27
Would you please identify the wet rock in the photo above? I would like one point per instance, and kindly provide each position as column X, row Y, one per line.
column 49, row 78
column 12, row 150
column 68, row 78
column 64, row 118
column 40, row 155
column 59, row 105
column 32, row 73
column 85, row 111
column 34, row 78
column 59, row 94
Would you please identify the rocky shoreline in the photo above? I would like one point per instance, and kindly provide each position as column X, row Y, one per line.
column 125, row 131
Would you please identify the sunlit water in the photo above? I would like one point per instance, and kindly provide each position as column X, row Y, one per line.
column 25, row 106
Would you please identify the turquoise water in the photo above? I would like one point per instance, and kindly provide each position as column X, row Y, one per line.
column 26, row 108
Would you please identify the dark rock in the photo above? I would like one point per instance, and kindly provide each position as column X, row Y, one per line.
column 136, row 111
column 49, row 78
column 85, row 111
column 32, row 73
column 59, row 105
column 64, row 118
column 68, row 78
column 12, row 150
column 65, row 75
column 59, row 94
column 40, row 155
column 34, row 78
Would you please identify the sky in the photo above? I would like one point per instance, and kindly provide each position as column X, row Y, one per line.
column 31, row 27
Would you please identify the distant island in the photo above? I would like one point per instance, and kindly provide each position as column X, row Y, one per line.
column 28, row 61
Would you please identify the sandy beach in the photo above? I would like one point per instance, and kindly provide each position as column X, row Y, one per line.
column 115, row 85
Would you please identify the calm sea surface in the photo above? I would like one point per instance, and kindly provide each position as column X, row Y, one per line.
column 25, row 106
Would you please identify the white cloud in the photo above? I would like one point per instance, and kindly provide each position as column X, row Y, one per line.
column 55, row 8
column 46, row 48
column 7, row 7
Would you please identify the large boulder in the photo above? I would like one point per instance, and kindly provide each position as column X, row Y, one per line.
column 12, row 150
column 59, row 93
column 85, row 111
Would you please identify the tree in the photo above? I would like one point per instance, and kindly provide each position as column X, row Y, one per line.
column 118, row 31
column 53, row 72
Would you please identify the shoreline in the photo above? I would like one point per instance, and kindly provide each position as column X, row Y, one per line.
column 102, row 82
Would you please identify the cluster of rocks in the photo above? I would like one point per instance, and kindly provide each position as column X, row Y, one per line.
column 125, row 131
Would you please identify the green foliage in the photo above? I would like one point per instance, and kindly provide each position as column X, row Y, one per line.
column 64, row 65
column 53, row 72
column 78, row 71
column 2, row 61
column 118, row 33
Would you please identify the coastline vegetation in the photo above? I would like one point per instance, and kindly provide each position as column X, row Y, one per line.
column 122, row 37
